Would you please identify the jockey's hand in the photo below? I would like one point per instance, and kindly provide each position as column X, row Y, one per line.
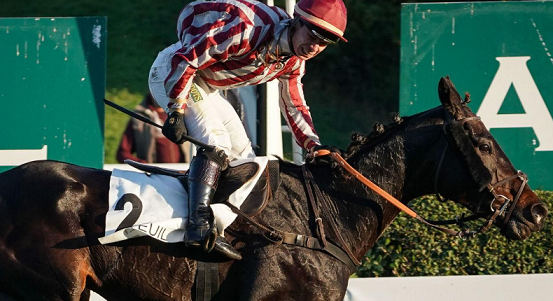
column 314, row 151
column 174, row 128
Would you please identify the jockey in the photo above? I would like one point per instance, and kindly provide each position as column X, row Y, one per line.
column 226, row 44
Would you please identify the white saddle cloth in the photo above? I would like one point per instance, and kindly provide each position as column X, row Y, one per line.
column 164, row 210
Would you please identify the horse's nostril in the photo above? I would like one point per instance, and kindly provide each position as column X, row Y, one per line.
column 539, row 212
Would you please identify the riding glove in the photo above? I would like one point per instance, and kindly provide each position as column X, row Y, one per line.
column 174, row 128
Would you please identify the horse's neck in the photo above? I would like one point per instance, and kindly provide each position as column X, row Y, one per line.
column 360, row 215
column 360, row 211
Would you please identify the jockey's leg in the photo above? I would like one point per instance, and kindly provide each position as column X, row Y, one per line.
column 203, row 177
column 212, row 121
column 241, row 146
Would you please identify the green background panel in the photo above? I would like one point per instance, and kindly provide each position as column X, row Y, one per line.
column 463, row 40
column 53, row 83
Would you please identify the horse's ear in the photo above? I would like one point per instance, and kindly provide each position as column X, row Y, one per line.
column 450, row 98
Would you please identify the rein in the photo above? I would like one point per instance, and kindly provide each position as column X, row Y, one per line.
column 342, row 162
column 342, row 252
column 464, row 234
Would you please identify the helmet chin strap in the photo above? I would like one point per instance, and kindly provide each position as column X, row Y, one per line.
column 296, row 22
column 281, row 46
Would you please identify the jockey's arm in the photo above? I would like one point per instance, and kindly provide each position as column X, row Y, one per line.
column 295, row 110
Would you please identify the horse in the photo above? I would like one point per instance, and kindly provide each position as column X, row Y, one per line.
column 52, row 214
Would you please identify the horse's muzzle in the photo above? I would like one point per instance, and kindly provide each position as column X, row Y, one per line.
column 530, row 219
column 538, row 213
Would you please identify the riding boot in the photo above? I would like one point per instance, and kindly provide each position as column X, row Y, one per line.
column 203, row 178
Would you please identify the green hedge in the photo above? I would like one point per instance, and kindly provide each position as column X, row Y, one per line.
column 409, row 248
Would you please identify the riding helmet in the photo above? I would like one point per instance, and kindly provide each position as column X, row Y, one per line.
column 327, row 18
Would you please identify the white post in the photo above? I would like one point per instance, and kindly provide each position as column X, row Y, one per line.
column 290, row 6
column 297, row 151
column 274, row 125
column 274, row 131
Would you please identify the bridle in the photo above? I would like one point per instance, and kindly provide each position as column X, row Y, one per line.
column 342, row 252
column 508, row 203
column 507, row 206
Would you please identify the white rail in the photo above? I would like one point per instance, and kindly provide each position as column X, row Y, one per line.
column 451, row 288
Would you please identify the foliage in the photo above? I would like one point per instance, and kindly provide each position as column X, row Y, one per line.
column 410, row 248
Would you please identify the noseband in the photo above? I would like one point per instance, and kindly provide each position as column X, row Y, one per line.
column 507, row 203
column 507, row 206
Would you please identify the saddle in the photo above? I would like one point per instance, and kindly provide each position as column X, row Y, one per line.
column 231, row 179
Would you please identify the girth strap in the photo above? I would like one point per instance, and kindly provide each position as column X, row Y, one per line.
column 279, row 237
column 318, row 220
column 207, row 280
column 310, row 183
column 313, row 243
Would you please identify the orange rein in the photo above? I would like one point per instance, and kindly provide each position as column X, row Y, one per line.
column 369, row 183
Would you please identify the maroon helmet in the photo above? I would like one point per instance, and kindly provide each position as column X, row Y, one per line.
column 326, row 18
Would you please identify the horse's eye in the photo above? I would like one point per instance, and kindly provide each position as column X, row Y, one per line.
column 485, row 148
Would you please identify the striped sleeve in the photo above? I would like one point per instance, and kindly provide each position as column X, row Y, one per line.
column 209, row 32
column 294, row 108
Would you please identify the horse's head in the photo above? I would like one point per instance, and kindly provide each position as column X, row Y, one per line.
column 448, row 150
column 483, row 179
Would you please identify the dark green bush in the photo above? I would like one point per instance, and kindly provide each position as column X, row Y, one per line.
column 410, row 248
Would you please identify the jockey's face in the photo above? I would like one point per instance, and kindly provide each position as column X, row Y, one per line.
column 306, row 44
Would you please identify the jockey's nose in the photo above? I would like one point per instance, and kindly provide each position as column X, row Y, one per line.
column 314, row 47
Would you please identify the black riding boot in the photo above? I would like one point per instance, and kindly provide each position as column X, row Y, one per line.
column 203, row 178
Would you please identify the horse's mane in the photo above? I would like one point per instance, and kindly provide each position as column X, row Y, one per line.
column 432, row 117
column 381, row 132
column 359, row 140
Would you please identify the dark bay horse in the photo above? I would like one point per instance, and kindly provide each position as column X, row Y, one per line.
column 52, row 213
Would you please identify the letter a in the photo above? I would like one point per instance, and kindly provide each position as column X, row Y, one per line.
column 513, row 70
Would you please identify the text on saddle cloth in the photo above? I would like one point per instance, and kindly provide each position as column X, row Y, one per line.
column 154, row 205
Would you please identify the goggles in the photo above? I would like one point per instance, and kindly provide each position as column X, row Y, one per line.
column 320, row 33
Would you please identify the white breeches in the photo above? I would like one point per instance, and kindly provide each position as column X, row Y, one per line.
column 209, row 117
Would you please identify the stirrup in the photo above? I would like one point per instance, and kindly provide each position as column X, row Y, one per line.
column 223, row 247
column 209, row 242
column 216, row 242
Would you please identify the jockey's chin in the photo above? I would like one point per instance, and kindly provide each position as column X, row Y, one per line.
column 304, row 54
